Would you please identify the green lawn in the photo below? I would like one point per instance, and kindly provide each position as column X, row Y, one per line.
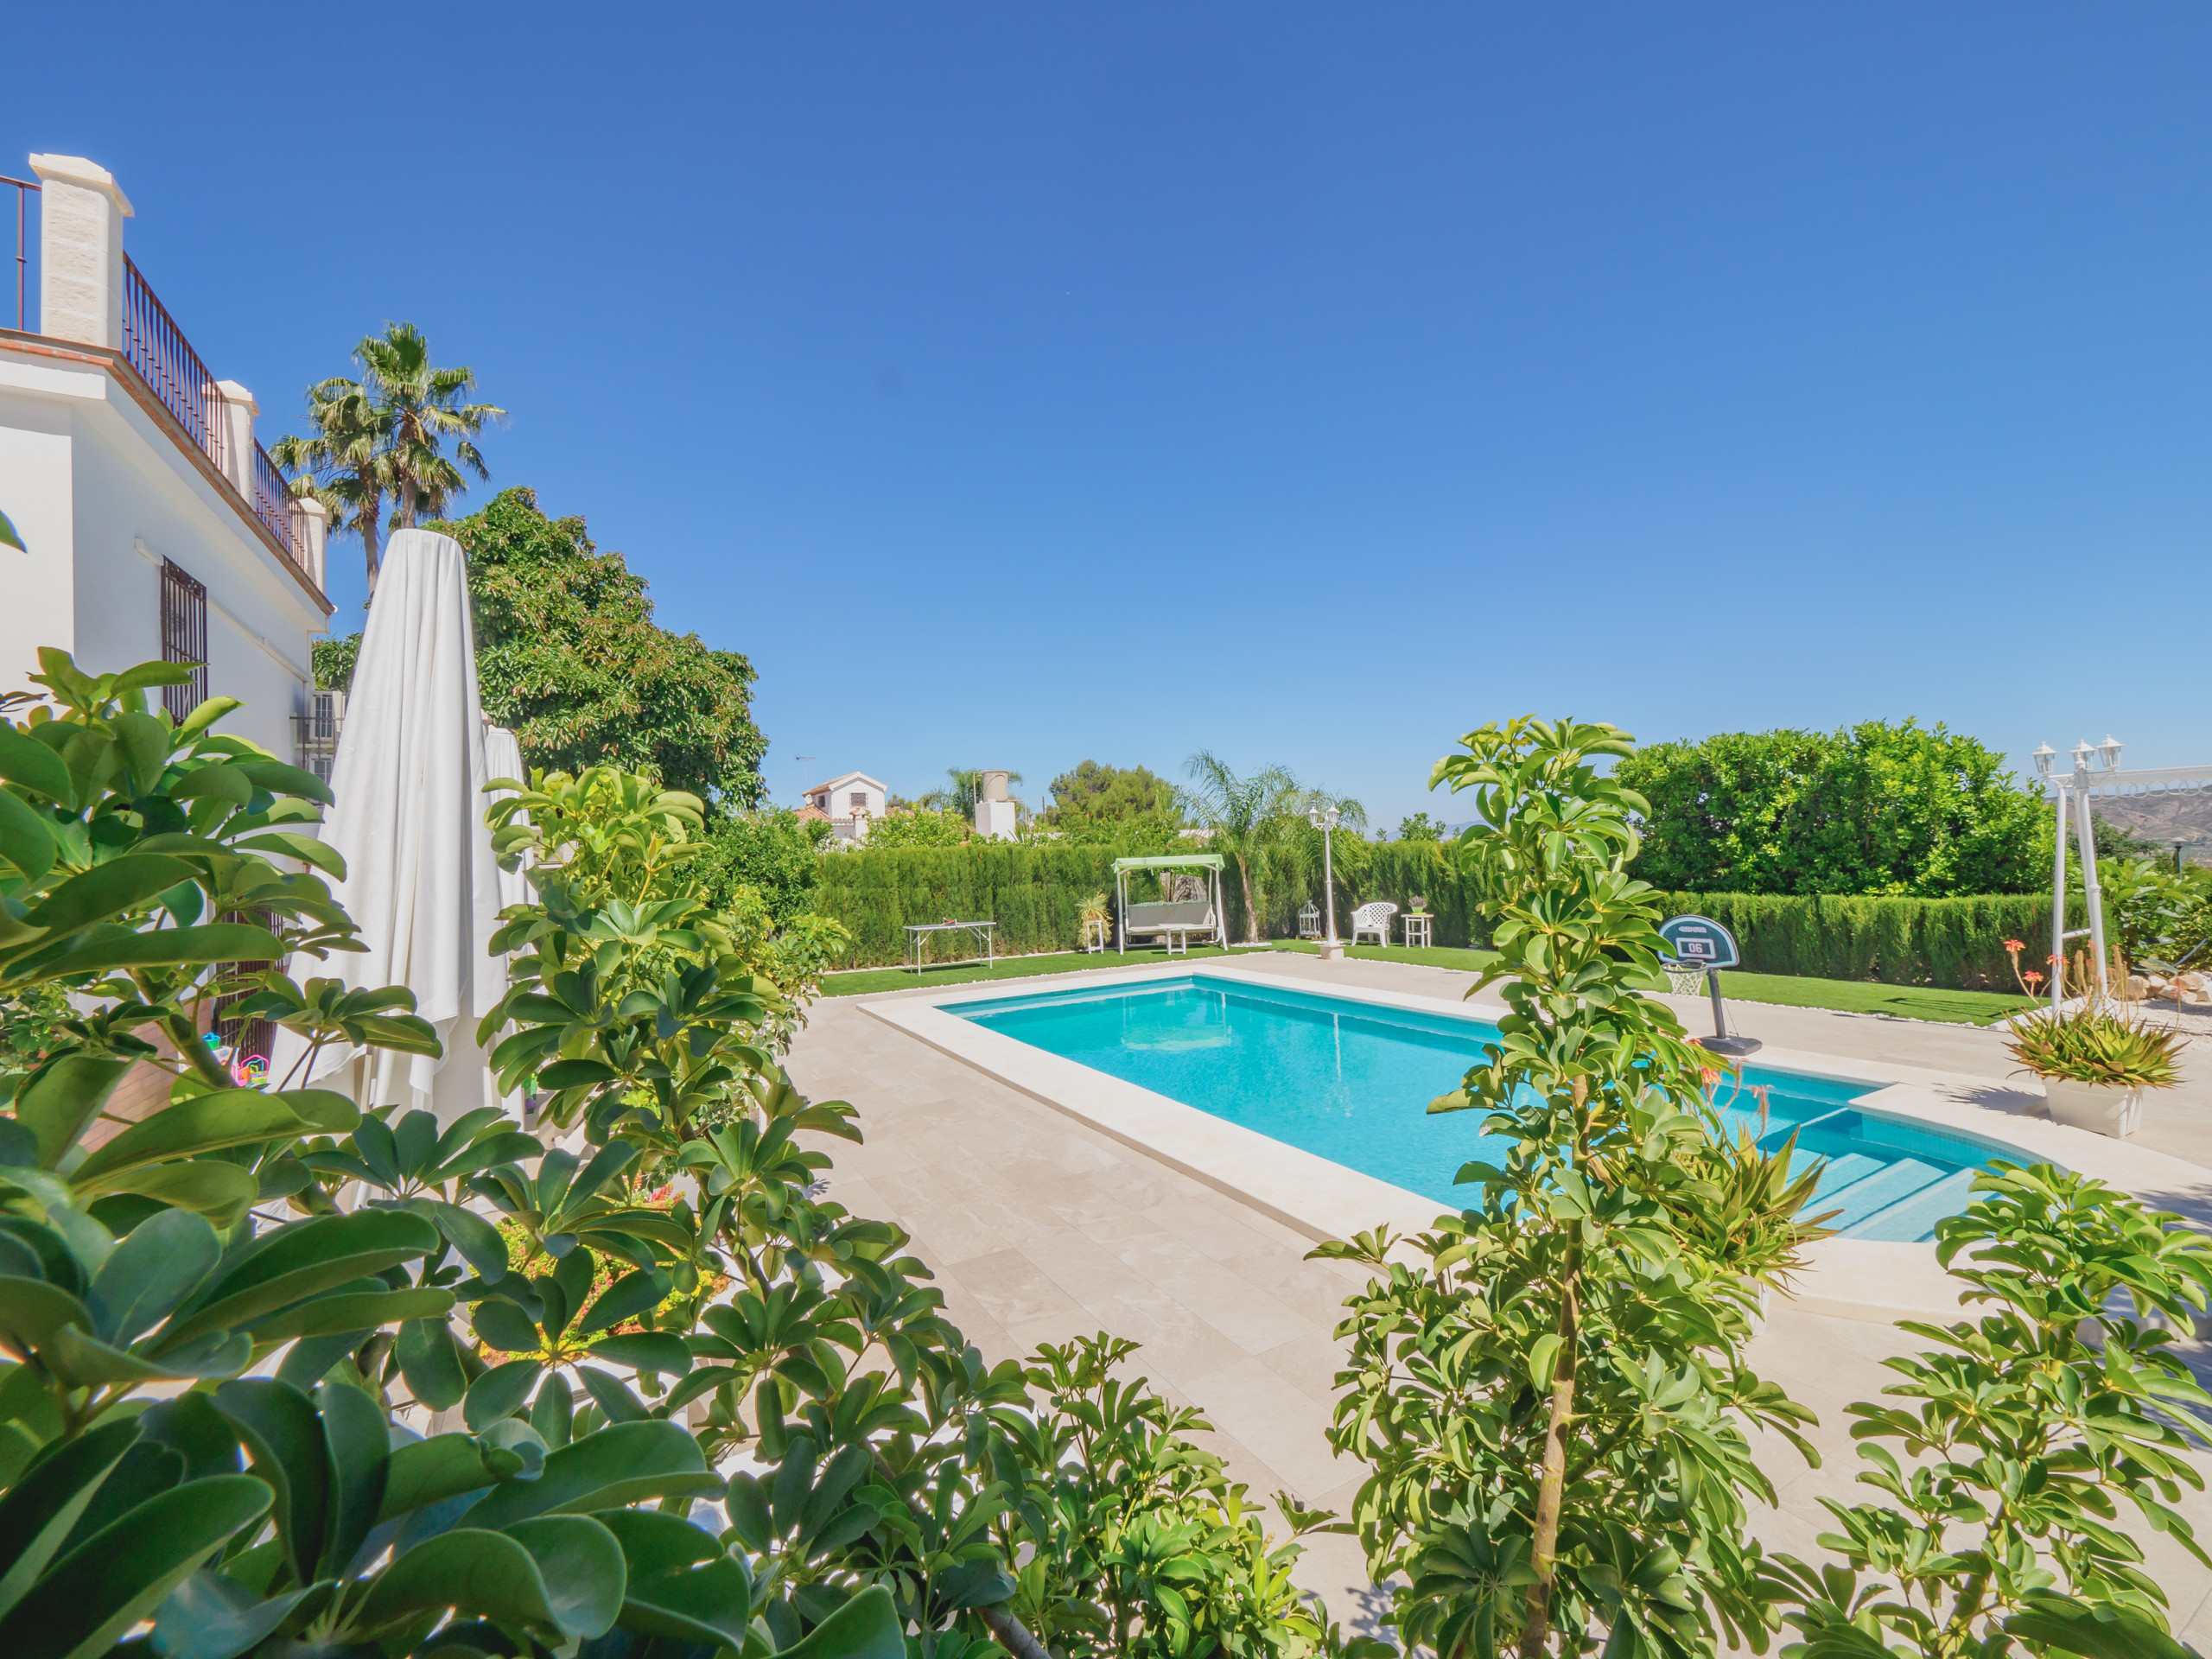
column 867, row 981
column 1851, row 996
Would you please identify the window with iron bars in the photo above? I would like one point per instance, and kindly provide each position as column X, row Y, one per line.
column 184, row 638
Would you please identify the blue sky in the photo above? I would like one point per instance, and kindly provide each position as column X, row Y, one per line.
column 1018, row 383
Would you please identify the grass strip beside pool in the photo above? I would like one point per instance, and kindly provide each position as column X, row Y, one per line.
column 1843, row 995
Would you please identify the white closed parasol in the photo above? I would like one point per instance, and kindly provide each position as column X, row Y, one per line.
column 420, row 877
column 503, row 757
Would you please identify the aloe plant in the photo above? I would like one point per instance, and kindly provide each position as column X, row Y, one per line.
column 2093, row 1044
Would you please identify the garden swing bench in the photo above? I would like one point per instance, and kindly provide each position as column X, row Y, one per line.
column 1177, row 919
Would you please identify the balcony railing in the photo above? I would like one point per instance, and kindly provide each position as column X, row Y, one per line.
column 275, row 505
column 163, row 358
column 157, row 347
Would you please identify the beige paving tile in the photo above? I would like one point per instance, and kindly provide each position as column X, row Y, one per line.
column 1212, row 1232
column 1286, row 1427
column 1012, row 1288
column 1309, row 1363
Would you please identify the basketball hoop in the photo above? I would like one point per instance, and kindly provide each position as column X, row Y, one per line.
column 1687, row 977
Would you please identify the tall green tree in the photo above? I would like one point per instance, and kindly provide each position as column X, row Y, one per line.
column 1090, row 791
column 569, row 656
column 383, row 436
column 1877, row 809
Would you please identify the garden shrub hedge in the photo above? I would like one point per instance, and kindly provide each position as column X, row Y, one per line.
column 1033, row 895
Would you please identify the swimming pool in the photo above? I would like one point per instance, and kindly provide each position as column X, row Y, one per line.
column 1351, row 1081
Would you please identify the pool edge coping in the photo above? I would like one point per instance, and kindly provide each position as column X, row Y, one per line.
column 1870, row 1280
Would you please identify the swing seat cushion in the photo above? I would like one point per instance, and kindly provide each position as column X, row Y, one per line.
column 1178, row 913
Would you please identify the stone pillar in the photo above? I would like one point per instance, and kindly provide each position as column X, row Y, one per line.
column 237, row 415
column 81, row 210
column 316, row 518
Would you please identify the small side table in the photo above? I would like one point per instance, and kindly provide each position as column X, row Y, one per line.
column 1093, row 937
column 1419, row 929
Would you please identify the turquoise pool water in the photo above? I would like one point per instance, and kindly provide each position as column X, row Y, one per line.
column 1351, row 1081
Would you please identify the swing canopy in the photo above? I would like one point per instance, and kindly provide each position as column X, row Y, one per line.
column 1171, row 917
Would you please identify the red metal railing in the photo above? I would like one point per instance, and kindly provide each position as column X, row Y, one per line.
column 157, row 347
column 24, row 190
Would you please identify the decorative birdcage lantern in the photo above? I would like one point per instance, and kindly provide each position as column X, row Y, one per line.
column 1309, row 921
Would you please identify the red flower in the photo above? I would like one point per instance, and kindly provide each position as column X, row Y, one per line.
column 2014, row 946
column 2032, row 977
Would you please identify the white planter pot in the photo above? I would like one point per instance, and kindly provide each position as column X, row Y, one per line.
column 2101, row 1108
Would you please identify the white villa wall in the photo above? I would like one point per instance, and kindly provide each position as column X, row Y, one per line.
column 40, row 601
column 106, row 494
column 103, row 486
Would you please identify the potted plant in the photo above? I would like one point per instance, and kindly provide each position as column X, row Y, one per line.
column 1418, row 901
column 2094, row 1065
column 1094, row 921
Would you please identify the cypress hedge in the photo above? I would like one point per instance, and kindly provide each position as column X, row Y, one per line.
column 1034, row 892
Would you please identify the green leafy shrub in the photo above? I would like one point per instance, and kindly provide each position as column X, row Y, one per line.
column 1550, row 1387
column 919, row 826
column 893, row 1488
column 771, row 853
column 1874, row 808
column 2003, row 1455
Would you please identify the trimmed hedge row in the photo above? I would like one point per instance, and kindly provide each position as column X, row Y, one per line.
column 1033, row 895
column 1955, row 944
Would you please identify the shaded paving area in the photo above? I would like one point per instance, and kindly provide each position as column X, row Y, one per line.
column 1039, row 1228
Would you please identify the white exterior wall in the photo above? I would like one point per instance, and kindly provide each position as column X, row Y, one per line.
column 102, row 492
column 839, row 805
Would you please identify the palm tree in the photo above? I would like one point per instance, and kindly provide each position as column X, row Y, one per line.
column 1249, row 818
column 421, row 407
column 381, row 438
column 344, row 465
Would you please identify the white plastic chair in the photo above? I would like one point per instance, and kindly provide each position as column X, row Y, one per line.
column 1373, row 919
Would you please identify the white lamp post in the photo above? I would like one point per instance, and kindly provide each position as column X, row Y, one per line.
column 1324, row 819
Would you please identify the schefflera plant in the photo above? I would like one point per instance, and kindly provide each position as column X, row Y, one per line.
column 2006, row 1454
column 1550, row 1388
column 157, row 1496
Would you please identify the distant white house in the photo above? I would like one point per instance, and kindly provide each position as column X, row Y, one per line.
column 156, row 525
column 850, row 802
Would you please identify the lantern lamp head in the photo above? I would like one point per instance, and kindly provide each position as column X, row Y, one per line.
column 2043, row 755
column 2108, row 752
column 1322, row 818
column 2083, row 751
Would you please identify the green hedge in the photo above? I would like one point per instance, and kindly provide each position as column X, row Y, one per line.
column 1033, row 894
column 1954, row 943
